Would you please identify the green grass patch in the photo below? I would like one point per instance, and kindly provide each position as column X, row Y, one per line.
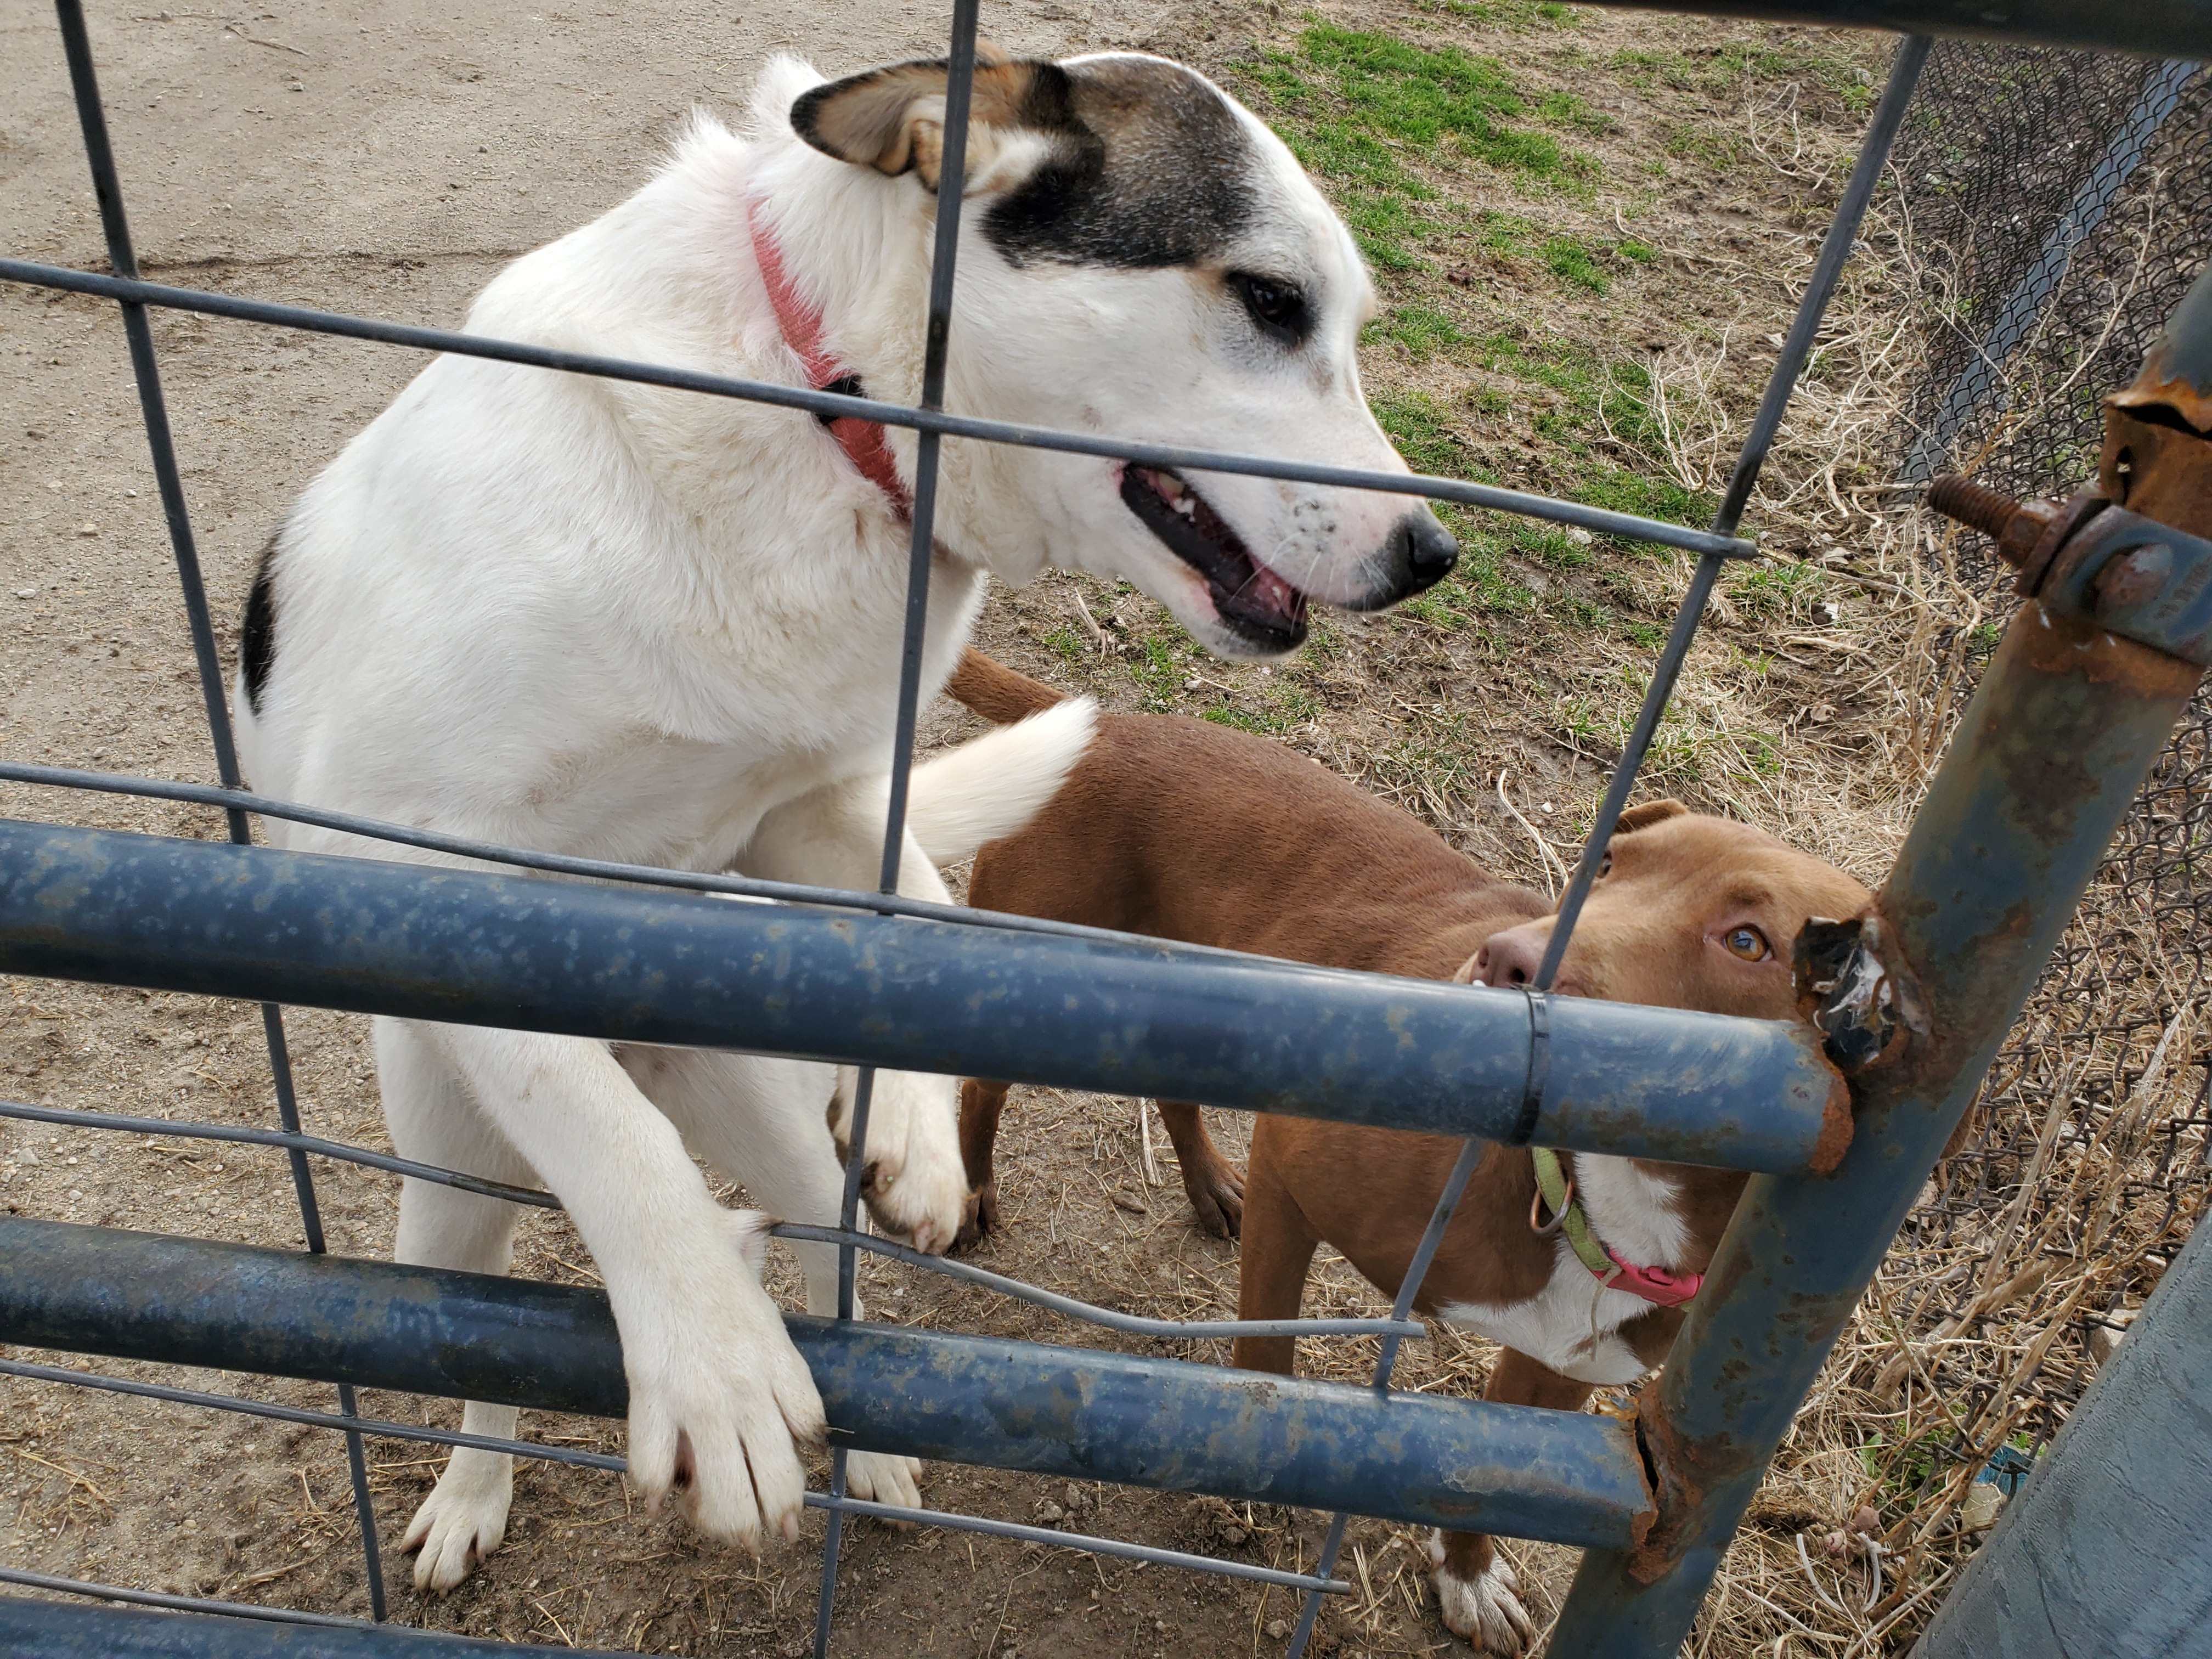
column 1777, row 590
column 1715, row 147
column 1566, row 109
column 1568, row 259
column 1158, row 673
column 1286, row 704
column 1356, row 107
column 1719, row 69
column 1506, row 13
column 1418, row 426
column 1423, row 331
column 1589, row 263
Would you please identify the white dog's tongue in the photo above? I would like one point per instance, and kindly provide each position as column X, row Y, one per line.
column 1273, row 593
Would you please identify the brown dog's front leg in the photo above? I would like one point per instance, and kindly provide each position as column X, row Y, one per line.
column 981, row 1103
column 1217, row 1191
column 1476, row 1590
column 1271, row 1269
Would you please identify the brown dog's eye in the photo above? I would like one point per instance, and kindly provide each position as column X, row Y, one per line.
column 1747, row 942
column 1605, row 867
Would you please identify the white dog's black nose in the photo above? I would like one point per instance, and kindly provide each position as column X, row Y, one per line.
column 1430, row 549
column 1418, row 553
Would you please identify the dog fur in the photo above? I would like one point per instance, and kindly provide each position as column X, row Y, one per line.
column 1188, row 830
column 621, row 621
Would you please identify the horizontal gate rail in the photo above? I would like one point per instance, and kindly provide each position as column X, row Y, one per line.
column 1074, row 1413
column 1181, row 1330
column 53, row 1630
column 369, row 936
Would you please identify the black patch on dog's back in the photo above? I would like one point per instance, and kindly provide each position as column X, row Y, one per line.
column 257, row 642
column 1150, row 168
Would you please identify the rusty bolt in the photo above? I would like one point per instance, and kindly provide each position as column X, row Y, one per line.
column 2137, row 574
column 2017, row 526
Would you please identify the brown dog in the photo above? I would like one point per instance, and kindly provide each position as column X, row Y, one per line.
column 1182, row 829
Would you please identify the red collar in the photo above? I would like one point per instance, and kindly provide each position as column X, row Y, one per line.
column 801, row 327
column 1660, row 1284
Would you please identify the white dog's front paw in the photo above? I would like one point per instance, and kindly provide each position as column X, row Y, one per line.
column 1485, row 1608
column 915, row 1182
column 463, row 1520
column 718, row 1395
column 881, row 1478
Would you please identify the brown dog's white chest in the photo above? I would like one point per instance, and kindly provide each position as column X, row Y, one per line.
column 1573, row 1323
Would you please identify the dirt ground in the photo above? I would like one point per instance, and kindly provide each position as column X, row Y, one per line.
column 388, row 167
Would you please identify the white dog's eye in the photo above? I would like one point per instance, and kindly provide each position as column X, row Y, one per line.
column 1279, row 307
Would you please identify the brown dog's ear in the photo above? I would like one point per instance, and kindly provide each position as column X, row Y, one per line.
column 893, row 119
column 1651, row 812
column 1464, row 974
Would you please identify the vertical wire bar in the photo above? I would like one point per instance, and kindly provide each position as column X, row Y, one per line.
column 1865, row 172
column 76, row 47
column 1804, row 329
column 951, row 186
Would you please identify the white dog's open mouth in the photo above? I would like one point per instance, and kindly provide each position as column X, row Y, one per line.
column 1251, row 600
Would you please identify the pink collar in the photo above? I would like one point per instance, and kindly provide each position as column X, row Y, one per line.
column 800, row 324
column 1556, row 1188
column 1659, row 1285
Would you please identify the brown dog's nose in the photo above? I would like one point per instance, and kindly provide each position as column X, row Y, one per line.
column 1513, row 956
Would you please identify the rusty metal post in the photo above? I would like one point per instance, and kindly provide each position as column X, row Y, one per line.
column 2058, row 738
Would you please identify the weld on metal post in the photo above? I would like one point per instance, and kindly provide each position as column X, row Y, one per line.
column 77, row 48
column 2058, row 738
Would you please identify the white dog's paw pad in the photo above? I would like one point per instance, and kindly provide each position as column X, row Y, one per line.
column 1485, row 1609
column 463, row 1521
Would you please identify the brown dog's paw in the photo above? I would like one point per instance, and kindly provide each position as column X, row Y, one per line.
column 1216, row 1194
column 979, row 1217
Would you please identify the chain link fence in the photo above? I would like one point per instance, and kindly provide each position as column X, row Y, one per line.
column 2058, row 204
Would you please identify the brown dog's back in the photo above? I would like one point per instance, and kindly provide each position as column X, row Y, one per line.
column 1188, row 830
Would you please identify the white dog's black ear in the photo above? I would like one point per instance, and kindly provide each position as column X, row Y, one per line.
column 893, row 119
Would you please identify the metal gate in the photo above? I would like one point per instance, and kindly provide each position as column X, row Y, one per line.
column 1910, row 1006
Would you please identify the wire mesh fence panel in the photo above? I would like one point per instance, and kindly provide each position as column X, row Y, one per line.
column 2118, row 1012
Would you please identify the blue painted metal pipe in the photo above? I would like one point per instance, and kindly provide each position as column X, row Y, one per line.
column 531, row 954
column 1078, row 1414
column 55, row 1629
column 2108, row 1548
column 2058, row 739
column 2153, row 28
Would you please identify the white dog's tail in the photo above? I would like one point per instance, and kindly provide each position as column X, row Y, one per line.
column 994, row 784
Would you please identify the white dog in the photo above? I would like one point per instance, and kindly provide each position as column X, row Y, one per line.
column 649, row 625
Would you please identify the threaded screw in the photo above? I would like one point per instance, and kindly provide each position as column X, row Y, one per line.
column 2017, row 526
column 1974, row 505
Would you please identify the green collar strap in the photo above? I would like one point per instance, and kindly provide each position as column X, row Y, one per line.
column 1567, row 1215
